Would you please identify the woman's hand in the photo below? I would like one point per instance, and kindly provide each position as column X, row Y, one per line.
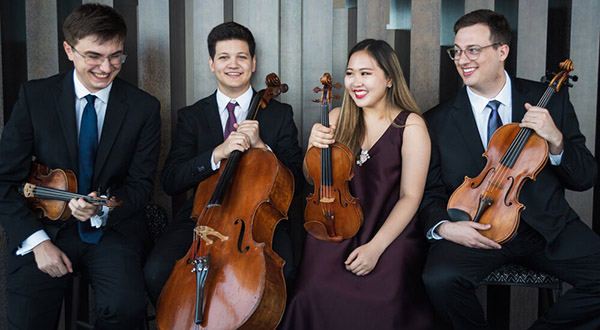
column 363, row 259
column 321, row 136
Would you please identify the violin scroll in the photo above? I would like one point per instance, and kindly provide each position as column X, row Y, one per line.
column 326, row 94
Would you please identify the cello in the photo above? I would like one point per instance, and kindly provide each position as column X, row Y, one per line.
column 332, row 214
column 514, row 154
column 230, row 277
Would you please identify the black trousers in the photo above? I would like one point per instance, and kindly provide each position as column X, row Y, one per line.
column 113, row 268
column 453, row 273
column 176, row 241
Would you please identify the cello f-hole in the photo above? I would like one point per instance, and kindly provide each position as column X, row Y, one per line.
column 241, row 235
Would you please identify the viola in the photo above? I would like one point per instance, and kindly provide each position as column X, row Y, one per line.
column 513, row 155
column 49, row 191
column 230, row 277
column 332, row 214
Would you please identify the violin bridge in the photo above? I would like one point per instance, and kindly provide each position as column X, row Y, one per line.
column 327, row 200
column 205, row 231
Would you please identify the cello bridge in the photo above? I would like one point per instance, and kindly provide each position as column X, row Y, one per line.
column 205, row 231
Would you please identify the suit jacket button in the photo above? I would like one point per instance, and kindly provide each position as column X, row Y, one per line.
column 200, row 168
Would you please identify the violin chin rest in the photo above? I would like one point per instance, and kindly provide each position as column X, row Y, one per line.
column 319, row 231
column 458, row 215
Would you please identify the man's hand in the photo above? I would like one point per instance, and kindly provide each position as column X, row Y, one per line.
column 81, row 209
column 51, row 260
column 465, row 233
column 235, row 141
column 539, row 120
column 250, row 128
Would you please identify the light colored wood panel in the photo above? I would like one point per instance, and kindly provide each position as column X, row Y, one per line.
column 262, row 18
column 290, row 70
column 425, row 53
column 155, row 75
column 317, row 40
column 201, row 17
column 372, row 19
column 531, row 43
column 471, row 5
column 42, row 38
column 585, row 33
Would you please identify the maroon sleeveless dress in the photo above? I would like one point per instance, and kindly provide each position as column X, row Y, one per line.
column 392, row 296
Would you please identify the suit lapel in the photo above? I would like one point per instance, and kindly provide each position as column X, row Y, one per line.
column 65, row 108
column 211, row 112
column 518, row 100
column 116, row 111
column 461, row 114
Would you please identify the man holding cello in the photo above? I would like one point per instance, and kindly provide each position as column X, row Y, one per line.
column 107, row 132
column 208, row 132
column 550, row 237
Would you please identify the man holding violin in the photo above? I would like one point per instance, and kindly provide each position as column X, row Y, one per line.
column 208, row 132
column 108, row 133
column 551, row 237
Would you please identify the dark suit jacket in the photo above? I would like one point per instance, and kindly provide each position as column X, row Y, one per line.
column 457, row 150
column 43, row 125
column 199, row 131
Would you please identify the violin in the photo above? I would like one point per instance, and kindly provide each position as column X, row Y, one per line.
column 514, row 154
column 49, row 191
column 332, row 214
column 230, row 277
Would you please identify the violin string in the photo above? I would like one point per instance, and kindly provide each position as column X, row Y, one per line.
column 62, row 195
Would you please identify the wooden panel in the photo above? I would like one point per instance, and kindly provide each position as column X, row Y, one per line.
column 471, row 5
column 262, row 18
column 290, row 69
column 155, row 75
column 42, row 43
column 425, row 46
column 531, row 42
column 585, row 33
column 201, row 16
column 317, row 51
column 372, row 18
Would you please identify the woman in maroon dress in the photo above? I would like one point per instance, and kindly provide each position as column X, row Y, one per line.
column 372, row 280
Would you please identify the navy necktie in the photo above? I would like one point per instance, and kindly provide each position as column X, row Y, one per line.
column 494, row 120
column 230, row 120
column 88, row 143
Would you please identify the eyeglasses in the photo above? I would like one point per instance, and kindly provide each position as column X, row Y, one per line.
column 472, row 52
column 95, row 59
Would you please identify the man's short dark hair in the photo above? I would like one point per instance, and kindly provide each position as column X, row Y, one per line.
column 230, row 31
column 497, row 23
column 97, row 20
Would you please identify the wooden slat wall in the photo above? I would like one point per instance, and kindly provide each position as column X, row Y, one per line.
column 302, row 39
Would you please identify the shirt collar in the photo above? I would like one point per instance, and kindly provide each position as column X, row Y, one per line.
column 478, row 103
column 81, row 91
column 243, row 100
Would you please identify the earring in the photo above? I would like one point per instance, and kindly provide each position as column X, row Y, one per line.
column 389, row 86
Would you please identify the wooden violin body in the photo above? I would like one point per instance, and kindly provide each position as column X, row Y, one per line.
column 330, row 209
column 496, row 189
column 514, row 154
column 332, row 214
column 49, row 191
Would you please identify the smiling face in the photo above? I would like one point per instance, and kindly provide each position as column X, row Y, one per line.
column 94, row 77
column 233, row 66
column 365, row 81
column 484, row 75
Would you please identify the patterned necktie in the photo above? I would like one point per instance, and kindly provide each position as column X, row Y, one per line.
column 230, row 120
column 88, row 143
column 494, row 120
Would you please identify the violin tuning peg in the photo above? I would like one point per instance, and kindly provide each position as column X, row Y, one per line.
column 316, row 100
column 337, row 86
column 317, row 89
column 336, row 96
column 574, row 78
